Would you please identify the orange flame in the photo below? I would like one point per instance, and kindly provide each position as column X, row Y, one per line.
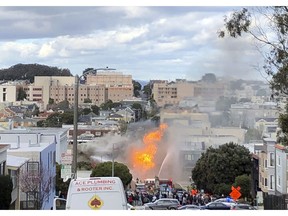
column 143, row 159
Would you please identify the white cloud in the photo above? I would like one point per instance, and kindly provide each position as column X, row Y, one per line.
column 150, row 40
column 46, row 50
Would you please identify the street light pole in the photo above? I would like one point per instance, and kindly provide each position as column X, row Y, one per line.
column 74, row 164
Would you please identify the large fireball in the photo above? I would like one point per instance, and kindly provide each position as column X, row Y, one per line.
column 143, row 158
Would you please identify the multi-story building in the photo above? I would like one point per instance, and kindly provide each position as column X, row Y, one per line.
column 3, row 158
column 267, row 166
column 109, row 78
column 47, row 81
column 8, row 92
column 41, row 151
column 245, row 114
column 281, row 164
column 14, row 167
column 174, row 92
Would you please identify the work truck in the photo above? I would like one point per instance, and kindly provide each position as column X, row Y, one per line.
column 94, row 193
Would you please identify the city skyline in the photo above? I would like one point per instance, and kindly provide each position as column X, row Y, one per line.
column 175, row 42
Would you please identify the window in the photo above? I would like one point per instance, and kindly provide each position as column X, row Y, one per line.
column 265, row 163
column 266, row 184
column 54, row 158
column 279, row 180
column 278, row 160
column 13, row 175
column 188, row 157
column 33, row 168
column 271, row 159
column 271, row 182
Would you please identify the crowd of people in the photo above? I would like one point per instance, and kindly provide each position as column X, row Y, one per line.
column 139, row 198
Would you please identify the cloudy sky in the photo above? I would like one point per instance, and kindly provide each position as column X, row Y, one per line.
column 151, row 42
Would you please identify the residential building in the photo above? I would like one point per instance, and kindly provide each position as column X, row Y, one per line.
column 41, row 151
column 108, row 78
column 281, row 171
column 245, row 114
column 3, row 159
column 14, row 165
column 267, row 166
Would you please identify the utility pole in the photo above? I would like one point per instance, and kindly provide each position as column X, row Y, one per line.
column 74, row 164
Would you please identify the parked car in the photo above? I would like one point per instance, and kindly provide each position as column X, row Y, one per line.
column 242, row 206
column 190, row 207
column 230, row 202
column 216, row 206
column 163, row 204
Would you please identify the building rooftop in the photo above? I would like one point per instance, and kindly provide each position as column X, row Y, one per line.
column 15, row 161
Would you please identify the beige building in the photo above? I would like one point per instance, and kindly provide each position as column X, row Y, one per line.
column 174, row 92
column 109, row 78
column 8, row 92
column 47, row 81
column 97, row 94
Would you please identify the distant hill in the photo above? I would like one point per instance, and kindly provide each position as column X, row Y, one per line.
column 28, row 71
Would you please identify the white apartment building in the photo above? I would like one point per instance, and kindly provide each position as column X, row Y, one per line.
column 281, row 171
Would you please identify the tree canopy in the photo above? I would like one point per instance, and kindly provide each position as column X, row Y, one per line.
column 29, row 71
column 221, row 166
column 120, row 170
column 269, row 27
column 6, row 186
column 60, row 185
column 137, row 88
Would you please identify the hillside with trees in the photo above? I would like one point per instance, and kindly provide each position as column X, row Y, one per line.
column 29, row 71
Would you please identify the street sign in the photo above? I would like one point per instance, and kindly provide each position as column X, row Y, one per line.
column 66, row 170
column 235, row 194
column 67, row 157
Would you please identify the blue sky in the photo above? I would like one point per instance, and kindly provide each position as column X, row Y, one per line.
column 148, row 42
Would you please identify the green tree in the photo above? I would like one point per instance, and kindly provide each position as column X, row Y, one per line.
column 21, row 94
column 85, row 111
column 51, row 101
column 221, row 165
column 60, row 184
column 29, row 71
column 87, row 100
column 283, row 124
column 106, row 105
column 222, row 189
column 147, row 90
column 244, row 181
column 120, row 170
column 67, row 117
column 136, row 88
column 273, row 48
column 6, row 186
column 95, row 109
column 53, row 120
column 63, row 105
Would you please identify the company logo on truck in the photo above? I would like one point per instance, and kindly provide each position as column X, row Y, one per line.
column 95, row 203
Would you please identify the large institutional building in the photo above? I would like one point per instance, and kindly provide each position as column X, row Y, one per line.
column 99, row 88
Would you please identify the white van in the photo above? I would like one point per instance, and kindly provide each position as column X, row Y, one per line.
column 95, row 193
